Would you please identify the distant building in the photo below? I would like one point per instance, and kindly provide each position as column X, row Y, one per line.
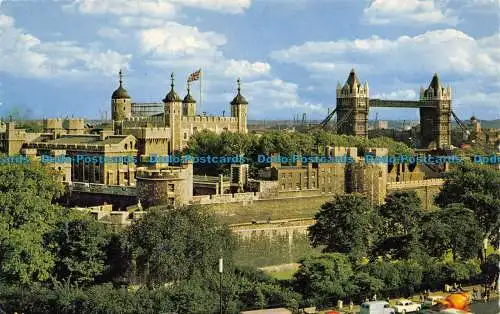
column 382, row 125
column 112, row 162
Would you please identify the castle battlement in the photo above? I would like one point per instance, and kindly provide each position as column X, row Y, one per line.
column 149, row 132
column 144, row 118
column 442, row 93
column 167, row 173
column 356, row 91
column 52, row 123
column 208, row 119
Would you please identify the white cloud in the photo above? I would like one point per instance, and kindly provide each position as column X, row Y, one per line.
column 154, row 8
column 413, row 12
column 467, row 103
column 140, row 21
column 227, row 6
column 110, row 32
column 484, row 2
column 396, row 67
column 447, row 51
column 123, row 7
column 174, row 39
column 273, row 97
column 23, row 54
column 189, row 48
column 245, row 69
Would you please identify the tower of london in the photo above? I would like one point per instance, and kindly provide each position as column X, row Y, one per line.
column 168, row 130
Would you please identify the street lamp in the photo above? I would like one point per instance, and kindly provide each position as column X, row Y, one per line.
column 221, row 266
column 485, row 248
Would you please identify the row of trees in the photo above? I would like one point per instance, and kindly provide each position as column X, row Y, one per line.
column 286, row 144
column 397, row 248
column 55, row 260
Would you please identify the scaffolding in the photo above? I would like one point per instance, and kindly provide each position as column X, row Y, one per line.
column 147, row 109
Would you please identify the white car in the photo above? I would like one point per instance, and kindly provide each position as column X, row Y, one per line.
column 406, row 306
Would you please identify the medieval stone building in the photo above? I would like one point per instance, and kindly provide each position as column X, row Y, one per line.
column 169, row 131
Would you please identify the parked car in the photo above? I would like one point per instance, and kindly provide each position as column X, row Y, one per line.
column 434, row 298
column 376, row 307
column 406, row 306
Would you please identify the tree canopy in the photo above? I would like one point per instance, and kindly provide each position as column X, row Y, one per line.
column 311, row 143
column 27, row 214
column 477, row 187
column 347, row 224
column 170, row 245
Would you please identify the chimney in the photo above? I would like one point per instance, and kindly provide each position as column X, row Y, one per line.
column 104, row 134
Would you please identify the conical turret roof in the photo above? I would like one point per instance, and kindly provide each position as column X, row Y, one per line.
column 120, row 92
column 172, row 95
column 189, row 99
column 353, row 80
column 435, row 83
column 239, row 99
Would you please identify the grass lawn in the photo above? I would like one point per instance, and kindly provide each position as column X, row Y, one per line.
column 282, row 275
column 281, row 272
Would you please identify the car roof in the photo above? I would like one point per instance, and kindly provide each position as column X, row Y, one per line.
column 376, row 302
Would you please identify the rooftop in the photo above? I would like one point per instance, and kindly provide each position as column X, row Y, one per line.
column 88, row 139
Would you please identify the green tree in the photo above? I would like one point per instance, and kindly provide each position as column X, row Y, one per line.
column 478, row 188
column 171, row 244
column 366, row 285
column 399, row 237
column 27, row 193
column 388, row 273
column 78, row 243
column 401, row 212
column 324, row 279
column 453, row 228
column 411, row 276
column 346, row 225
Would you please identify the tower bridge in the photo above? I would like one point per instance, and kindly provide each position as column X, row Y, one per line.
column 353, row 105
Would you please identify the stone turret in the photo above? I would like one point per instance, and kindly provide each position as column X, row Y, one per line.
column 75, row 126
column 189, row 104
column 173, row 115
column 121, row 103
column 239, row 109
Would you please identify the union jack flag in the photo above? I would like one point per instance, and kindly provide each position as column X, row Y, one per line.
column 194, row 76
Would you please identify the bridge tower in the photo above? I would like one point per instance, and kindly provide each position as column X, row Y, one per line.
column 352, row 107
column 435, row 123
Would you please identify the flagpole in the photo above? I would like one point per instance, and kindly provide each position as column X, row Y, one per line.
column 201, row 103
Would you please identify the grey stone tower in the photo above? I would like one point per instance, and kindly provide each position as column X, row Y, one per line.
column 435, row 123
column 352, row 106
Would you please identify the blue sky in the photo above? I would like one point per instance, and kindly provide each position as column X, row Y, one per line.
column 61, row 58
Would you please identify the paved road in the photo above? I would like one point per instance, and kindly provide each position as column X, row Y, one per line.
column 491, row 307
